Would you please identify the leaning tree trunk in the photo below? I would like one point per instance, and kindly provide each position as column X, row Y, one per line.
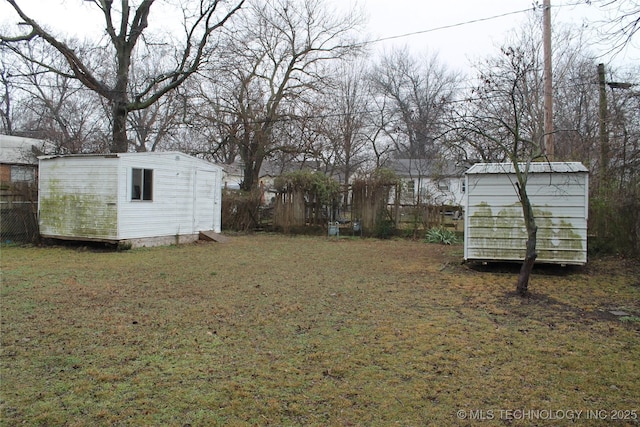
column 522, row 287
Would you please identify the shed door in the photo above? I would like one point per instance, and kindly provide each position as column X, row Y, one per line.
column 204, row 199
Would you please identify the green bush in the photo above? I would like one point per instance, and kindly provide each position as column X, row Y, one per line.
column 384, row 229
column 441, row 235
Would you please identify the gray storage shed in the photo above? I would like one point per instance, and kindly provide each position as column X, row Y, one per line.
column 494, row 227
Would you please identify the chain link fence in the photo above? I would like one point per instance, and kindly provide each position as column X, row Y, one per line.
column 18, row 213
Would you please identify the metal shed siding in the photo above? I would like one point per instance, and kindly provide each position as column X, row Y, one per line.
column 207, row 185
column 170, row 208
column 175, row 208
column 494, row 224
column 77, row 198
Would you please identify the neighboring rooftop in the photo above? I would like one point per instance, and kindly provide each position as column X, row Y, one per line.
column 19, row 150
column 424, row 167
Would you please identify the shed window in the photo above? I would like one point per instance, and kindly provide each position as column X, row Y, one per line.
column 142, row 184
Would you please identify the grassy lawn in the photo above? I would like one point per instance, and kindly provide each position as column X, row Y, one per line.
column 274, row 330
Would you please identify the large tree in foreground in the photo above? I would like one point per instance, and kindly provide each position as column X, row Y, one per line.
column 125, row 25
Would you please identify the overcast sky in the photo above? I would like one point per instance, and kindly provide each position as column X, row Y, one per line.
column 465, row 30
column 459, row 30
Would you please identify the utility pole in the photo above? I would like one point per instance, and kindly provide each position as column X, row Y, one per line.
column 548, row 81
column 604, row 133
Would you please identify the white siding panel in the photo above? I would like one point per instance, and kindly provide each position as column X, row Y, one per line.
column 501, row 199
column 183, row 201
column 204, row 199
column 170, row 211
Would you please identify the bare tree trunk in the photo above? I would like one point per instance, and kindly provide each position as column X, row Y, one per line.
column 522, row 287
column 252, row 166
column 120, row 142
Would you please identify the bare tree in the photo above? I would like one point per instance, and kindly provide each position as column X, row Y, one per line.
column 53, row 107
column 378, row 124
column 500, row 121
column 419, row 93
column 616, row 194
column 344, row 118
column 125, row 27
column 8, row 94
column 622, row 24
column 272, row 60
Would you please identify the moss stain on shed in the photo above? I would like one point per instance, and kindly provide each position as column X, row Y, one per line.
column 498, row 236
column 76, row 214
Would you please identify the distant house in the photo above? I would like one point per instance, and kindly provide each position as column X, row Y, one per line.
column 137, row 199
column 494, row 228
column 18, row 187
column 19, row 159
column 429, row 182
column 233, row 176
column 269, row 171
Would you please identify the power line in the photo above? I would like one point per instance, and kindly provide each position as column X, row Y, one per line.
column 445, row 27
column 473, row 21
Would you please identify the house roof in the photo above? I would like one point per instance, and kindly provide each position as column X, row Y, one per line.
column 424, row 167
column 538, row 167
column 20, row 150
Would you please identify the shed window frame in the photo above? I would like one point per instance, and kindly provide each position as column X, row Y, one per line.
column 142, row 184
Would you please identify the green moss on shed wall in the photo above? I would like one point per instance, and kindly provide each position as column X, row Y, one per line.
column 77, row 214
column 502, row 235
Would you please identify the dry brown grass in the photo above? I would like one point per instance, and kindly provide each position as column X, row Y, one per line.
column 274, row 330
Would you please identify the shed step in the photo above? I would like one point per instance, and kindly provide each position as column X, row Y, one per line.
column 213, row 236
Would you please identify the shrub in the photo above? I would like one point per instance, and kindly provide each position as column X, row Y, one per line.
column 384, row 229
column 240, row 210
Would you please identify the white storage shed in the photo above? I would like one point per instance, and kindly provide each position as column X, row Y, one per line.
column 137, row 199
column 494, row 228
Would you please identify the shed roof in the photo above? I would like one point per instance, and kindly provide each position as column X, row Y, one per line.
column 123, row 155
column 538, row 167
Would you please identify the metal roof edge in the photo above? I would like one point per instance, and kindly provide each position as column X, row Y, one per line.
column 537, row 167
column 128, row 154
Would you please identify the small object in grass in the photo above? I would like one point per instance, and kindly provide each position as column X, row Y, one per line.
column 619, row 313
